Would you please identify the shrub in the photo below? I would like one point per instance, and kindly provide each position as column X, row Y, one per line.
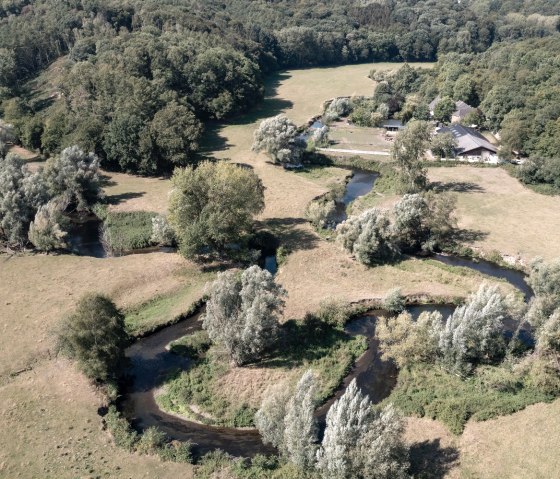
column 333, row 312
column 45, row 232
column 162, row 233
column 123, row 435
column 177, row 451
column 151, row 441
column 394, row 301
column 194, row 345
column 94, row 335
column 322, row 214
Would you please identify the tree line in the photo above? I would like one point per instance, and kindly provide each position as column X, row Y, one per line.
column 139, row 79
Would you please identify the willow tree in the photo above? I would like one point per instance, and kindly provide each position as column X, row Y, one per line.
column 212, row 207
column 242, row 313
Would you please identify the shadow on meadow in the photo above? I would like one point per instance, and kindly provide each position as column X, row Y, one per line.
column 429, row 460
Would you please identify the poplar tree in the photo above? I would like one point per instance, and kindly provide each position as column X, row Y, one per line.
column 300, row 431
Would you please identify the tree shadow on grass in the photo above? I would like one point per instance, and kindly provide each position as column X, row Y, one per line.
column 106, row 181
column 291, row 232
column 119, row 198
column 456, row 186
column 461, row 235
column 302, row 341
column 429, row 460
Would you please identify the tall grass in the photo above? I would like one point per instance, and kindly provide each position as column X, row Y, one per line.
column 427, row 391
column 127, row 231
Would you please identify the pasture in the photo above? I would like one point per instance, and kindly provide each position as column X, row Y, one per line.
column 49, row 426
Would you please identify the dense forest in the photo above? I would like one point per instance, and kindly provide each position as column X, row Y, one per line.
column 135, row 81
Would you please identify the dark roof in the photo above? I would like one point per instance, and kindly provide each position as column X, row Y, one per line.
column 434, row 103
column 393, row 124
column 467, row 139
column 462, row 109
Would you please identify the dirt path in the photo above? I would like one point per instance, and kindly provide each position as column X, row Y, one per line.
column 356, row 152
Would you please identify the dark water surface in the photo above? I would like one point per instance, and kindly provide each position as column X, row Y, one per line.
column 151, row 362
column 84, row 237
column 514, row 277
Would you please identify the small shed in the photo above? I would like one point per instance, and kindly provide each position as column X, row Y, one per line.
column 392, row 125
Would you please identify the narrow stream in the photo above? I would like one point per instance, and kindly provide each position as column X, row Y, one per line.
column 360, row 184
column 512, row 276
column 84, row 237
column 151, row 362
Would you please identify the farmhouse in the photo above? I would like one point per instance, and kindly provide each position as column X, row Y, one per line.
column 471, row 145
column 461, row 109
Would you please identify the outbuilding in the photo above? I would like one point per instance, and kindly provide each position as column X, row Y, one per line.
column 471, row 145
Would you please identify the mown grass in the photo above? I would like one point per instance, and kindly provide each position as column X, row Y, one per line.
column 492, row 391
column 127, row 231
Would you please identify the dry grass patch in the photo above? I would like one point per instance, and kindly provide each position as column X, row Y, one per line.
column 433, row 449
column 354, row 137
column 23, row 153
column 49, row 428
column 522, row 445
column 511, row 218
column 38, row 290
column 136, row 193
column 312, row 275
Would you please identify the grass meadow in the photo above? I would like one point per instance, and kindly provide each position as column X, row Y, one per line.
column 48, row 421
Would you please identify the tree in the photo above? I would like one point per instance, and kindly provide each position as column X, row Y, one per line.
column 269, row 419
column 465, row 90
column 242, row 313
column 381, row 451
column 359, row 443
column 444, row 110
column 410, row 227
column 408, row 151
column 278, row 138
column 337, row 108
column 94, row 335
column 443, row 145
column 548, row 335
column 45, row 231
column 544, row 278
column 74, row 175
column 300, row 425
column 410, row 342
column 473, row 333
column 16, row 208
column 320, row 136
column 162, row 233
column 212, row 206
column 367, row 237
column 175, row 131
